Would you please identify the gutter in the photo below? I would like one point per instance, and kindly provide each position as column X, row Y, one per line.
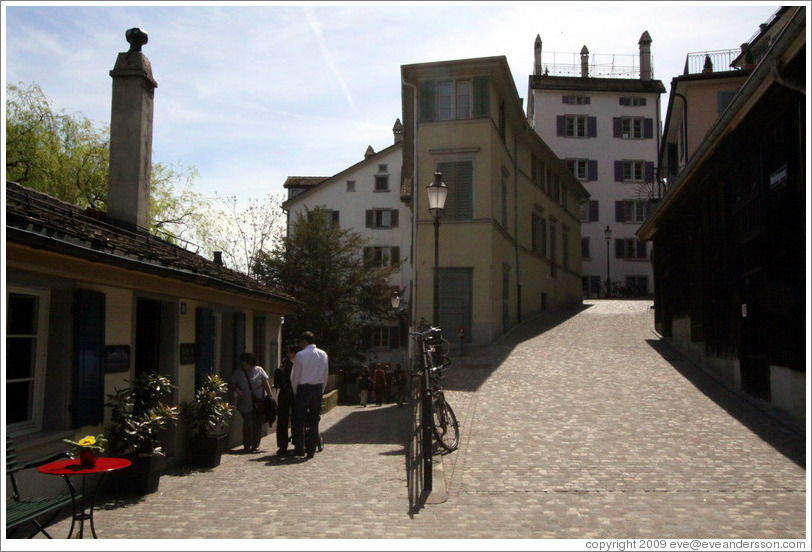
column 735, row 109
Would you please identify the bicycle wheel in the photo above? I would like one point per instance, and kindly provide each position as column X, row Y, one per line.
column 444, row 424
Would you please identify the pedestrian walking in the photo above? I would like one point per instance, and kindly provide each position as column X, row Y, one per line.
column 364, row 386
column 250, row 382
column 379, row 383
column 308, row 380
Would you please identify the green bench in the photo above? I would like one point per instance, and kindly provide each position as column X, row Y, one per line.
column 29, row 511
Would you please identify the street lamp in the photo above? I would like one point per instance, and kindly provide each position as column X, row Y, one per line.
column 608, row 234
column 437, row 195
column 395, row 301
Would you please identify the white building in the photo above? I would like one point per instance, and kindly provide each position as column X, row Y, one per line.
column 366, row 198
column 603, row 120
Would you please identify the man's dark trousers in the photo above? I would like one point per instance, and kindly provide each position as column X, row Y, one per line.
column 306, row 411
column 283, row 411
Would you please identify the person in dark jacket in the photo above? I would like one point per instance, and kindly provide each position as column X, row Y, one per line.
column 284, row 399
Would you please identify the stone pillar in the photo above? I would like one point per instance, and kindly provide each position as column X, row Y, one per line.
column 537, row 56
column 584, row 61
column 131, row 136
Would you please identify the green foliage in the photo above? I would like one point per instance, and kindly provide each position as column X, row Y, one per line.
column 322, row 265
column 93, row 443
column 139, row 415
column 209, row 410
column 68, row 157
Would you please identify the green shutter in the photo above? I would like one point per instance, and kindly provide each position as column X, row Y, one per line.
column 428, row 101
column 481, row 97
column 89, row 357
column 204, row 345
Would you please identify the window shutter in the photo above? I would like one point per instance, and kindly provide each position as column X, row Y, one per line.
column 204, row 344
column 560, row 125
column 238, row 341
column 584, row 248
column 393, row 218
column 591, row 127
column 620, row 248
column 428, row 100
column 587, row 100
column 620, row 212
column 592, row 170
column 649, row 171
column 642, row 101
column 481, row 97
column 395, row 254
column 617, row 127
column 648, row 127
column 89, row 357
column 368, row 256
column 593, row 210
column 641, row 249
column 618, row 171
column 565, row 99
column 370, row 218
column 394, row 336
column 366, row 338
column 624, row 101
column 334, row 215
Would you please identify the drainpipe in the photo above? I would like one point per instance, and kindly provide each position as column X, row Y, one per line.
column 413, row 296
column 516, row 223
column 684, row 121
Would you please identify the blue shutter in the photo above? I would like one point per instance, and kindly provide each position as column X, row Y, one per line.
column 648, row 127
column 560, row 125
column 204, row 345
column 617, row 127
column 620, row 212
column 89, row 341
column 592, row 170
column 239, row 337
column 618, row 171
column 591, row 127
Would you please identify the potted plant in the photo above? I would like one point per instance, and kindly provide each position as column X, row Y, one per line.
column 87, row 449
column 206, row 415
column 139, row 415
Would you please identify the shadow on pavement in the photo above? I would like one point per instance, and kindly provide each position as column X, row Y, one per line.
column 785, row 439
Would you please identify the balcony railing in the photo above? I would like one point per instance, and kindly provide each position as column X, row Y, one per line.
column 720, row 61
column 618, row 66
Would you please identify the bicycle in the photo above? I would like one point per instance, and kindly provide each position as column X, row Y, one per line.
column 433, row 360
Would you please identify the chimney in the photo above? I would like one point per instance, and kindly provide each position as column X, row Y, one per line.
column 584, row 62
column 537, row 56
column 369, row 153
column 645, row 56
column 397, row 130
column 218, row 258
column 131, row 136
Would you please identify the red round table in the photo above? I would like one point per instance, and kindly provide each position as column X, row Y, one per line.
column 66, row 468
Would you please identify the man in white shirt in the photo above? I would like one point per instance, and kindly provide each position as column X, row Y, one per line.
column 308, row 379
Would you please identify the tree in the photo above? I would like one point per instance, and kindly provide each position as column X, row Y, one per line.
column 68, row 157
column 322, row 266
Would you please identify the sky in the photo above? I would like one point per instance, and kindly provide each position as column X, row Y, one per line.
column 250, row 93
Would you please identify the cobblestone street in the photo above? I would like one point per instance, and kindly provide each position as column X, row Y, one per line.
column 576, row 425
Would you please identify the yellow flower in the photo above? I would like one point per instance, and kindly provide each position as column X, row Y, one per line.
column 88, row 441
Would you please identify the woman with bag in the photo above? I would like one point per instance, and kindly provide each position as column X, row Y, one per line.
column 251, row 385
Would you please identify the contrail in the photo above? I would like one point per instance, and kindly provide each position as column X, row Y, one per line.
column 326, row 53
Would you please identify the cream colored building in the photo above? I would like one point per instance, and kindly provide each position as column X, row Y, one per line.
column 510, row 236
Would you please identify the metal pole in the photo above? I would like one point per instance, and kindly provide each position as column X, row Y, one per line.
column 436, row 298
column 427, row 444
column 608, row 279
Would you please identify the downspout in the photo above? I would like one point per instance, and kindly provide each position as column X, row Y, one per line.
column 516, row 223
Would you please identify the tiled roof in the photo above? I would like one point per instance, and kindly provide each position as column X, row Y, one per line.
column 39, row 220
column 549, row 82
column 304, row 181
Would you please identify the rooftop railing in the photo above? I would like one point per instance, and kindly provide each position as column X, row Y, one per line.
column 618, row 66
column 720, row 61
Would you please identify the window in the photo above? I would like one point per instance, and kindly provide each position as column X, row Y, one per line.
column 553, row 247
column 383, row 168
column 459, row 177
column 565, row 250
column 382, row 218
column 575, row 100
column 539, row 236
column 504, row 203
column 630, row 211
column 576, row 126
column 381, row 336
column 630, row 249
column 26, row 318
column 537, row 172
column 578, row 167
column 589, row 210
column 585, row 248
column 634, row 171
column 350, row 185
column 632, row 101
column 632, row 128
column 453, row 100
column 723, row 99
column 382, row 183
column 382, row 256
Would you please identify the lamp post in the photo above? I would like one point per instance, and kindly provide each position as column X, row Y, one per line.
column 438, row 192
column 608, row 234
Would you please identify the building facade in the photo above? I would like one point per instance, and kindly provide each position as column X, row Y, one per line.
column 729, row 233
column 604, row 123
column 509, row 236
column 366, row 198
